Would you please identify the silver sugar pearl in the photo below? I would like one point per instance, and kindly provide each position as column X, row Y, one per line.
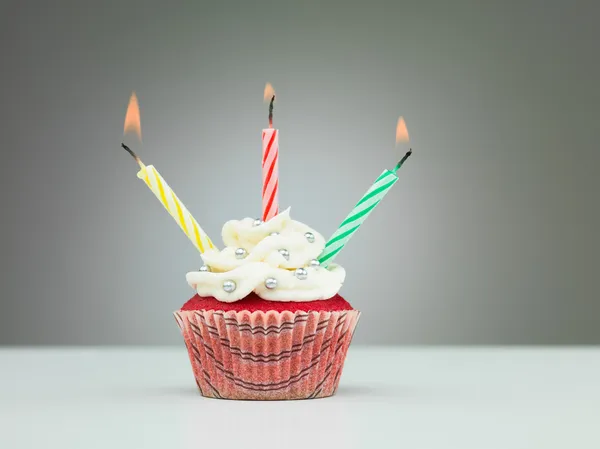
column 240, row 253
column 273, row 234
column 229, row 286
column 270, row 283
column 314, row 263
column 285, row 253
column 301, row 273
column 204, row 269
column 257, row 222
column 310, row 237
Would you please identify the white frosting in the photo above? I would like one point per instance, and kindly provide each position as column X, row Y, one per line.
column 264, row 261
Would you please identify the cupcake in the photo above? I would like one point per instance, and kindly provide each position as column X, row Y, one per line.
column 267, row 322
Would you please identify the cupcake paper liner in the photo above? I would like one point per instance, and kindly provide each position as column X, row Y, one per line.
column 267, row 355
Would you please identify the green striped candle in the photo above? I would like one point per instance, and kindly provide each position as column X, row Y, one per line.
column 359, row 214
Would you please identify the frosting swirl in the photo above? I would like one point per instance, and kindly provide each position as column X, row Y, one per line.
column 279, row 250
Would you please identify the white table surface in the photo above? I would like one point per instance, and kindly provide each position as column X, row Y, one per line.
column 447, row 398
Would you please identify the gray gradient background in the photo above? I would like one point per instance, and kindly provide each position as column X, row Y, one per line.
column 489, row 237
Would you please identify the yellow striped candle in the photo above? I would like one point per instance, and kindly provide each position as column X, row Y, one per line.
column 159, row 186
column 175, row 207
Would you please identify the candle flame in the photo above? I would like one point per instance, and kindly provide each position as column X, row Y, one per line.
column 132, row 118
column 269, row 92
column 401, row 131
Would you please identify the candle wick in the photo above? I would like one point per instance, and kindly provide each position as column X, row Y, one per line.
column 399, row 164
column 133, row 155
column 271, row 112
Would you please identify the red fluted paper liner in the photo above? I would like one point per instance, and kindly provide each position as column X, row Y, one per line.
column 267, row 355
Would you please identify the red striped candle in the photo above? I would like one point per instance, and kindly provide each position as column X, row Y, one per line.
column 270, row 170
column 270, row 163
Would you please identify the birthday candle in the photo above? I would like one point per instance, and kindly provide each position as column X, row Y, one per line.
column 365, row 205
column 270, row 163
column 161, row 189
column 175, row 207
